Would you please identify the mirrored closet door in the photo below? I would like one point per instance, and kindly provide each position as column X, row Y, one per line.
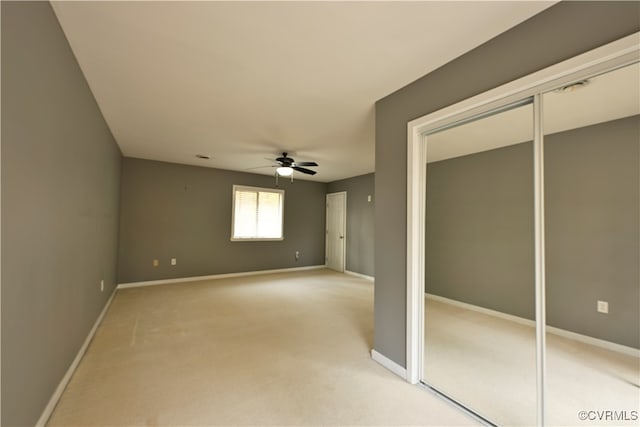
column 480, row 346
column 482, row 265
column 592, row 219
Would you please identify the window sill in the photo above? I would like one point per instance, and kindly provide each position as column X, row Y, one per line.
column 256, row 239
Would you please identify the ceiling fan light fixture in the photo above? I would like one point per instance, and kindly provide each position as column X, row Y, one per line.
column 284, row 171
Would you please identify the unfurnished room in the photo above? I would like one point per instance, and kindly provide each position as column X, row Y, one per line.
column 320, row 213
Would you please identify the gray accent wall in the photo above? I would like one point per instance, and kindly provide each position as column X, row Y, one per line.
column 60, row 192
column 184, row 212
column 558, row 33
column 360, row 221
column 479, row 237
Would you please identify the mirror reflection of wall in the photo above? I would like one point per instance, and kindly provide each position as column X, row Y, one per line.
column 479, row 312
column 592, row 190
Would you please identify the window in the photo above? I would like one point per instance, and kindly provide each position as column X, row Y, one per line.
column 257, row 213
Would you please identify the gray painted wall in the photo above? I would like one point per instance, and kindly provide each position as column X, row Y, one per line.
column 184, row 212
column 479, row 241
column 558, row 33
column 360, row 221
column 60, row 184
column 592, row 202
column 479, row 233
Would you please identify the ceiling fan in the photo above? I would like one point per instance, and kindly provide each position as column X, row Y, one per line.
column 286, row 166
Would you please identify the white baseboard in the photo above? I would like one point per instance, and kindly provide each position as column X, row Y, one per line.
column 550, row 329
column 494, row 313
column 48, row 410
column 595, row 341
column 364, row 276
column 389, row 364
column 215, row 276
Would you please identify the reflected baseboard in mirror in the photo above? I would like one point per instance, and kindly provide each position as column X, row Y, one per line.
column 485, row 363
column 581, row 371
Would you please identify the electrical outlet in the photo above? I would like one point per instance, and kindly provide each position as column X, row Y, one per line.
column 101, row 285
column 173, row 261
column 603, row 307
column 297, row 255
column 156, row 263
column 369, row 198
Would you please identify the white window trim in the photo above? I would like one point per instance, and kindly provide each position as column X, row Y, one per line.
column 233, row 213
column 616, row 54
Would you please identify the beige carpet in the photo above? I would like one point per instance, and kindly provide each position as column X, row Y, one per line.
column 279, row 349
column 488, row 363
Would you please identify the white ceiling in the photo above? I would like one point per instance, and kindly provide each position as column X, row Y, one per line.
column 242, row 81
column 606, row 97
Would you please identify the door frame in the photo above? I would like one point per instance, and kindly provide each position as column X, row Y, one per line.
column 613, row 55
column 344, row 229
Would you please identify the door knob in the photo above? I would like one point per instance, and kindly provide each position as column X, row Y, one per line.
column 342, row 237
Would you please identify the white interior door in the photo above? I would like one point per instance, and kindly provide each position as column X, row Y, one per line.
column 336, row 230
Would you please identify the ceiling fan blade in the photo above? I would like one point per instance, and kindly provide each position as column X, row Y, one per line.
column 306, row 164
column 303, row 170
